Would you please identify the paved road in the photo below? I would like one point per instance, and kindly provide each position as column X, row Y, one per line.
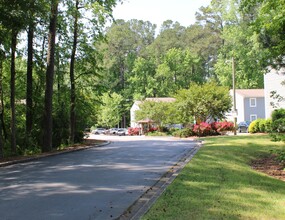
column 98, row 183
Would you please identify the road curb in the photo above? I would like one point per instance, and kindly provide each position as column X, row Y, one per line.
column 25, row 160
column 145, row 201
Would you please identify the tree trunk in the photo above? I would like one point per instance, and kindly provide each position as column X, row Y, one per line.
column 47, row 139
column 3, row 127
column 122, row 74
column 1, row 143
column 72, row 80
column 1, row 108
column 12, row 94
column 29, row 89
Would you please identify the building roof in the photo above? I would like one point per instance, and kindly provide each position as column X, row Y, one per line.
column 255, row 93
column 166, row 99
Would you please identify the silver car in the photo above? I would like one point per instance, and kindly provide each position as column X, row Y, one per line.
column 122, row 131
column 99, row 131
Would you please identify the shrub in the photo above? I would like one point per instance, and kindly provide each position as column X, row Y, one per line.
column 133, row 131
column 280, row 156
column 222, row 126
column 277, row 114
column 156, row 133
column 183, row 133
column 203, row 129
column 253, row 127
column 172, row 131
column 278, row 125
column 268, row 125
column 32, row 151
column 261, row 125
column 164, row 129
column 152, row 129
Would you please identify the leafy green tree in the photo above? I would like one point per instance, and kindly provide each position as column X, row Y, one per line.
column 161, row 113
column 142, row 81
column 204, row 37
column 36, row 13
column 203, row 102
column 170, row 36
column 47, row 139
column 267, row 22
column 111, row 110
column 125, row 41
column 2, row 56
column 14, row 19
column 278, row 125
column 236, row 34
column 178, row 68
column 100, row 12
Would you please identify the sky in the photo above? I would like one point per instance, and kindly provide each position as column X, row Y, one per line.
column 157, row 11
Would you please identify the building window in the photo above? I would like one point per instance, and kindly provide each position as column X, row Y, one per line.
column 252, row 102
column 253, row 117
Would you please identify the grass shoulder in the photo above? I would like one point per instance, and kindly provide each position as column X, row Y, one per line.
column 219, row 183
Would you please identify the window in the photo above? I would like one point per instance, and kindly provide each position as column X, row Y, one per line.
column 253, row 117
column 252, row 102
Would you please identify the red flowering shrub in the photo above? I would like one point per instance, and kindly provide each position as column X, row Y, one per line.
column 134, row 131
column 203, row 129
column 222, row 126
column 152, row 129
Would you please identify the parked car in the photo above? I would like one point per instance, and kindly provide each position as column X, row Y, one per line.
column 122, row 131
column 99, row 131
column 243, row 126
column 112, row 131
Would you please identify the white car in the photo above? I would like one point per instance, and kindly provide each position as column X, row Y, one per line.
column 99, row 131
column 122, row 131
column 112, row 131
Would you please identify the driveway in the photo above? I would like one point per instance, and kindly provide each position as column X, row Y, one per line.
column 98, row 183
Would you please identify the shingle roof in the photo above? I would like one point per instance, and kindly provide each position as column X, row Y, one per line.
column 166, row 99
column 250, row 92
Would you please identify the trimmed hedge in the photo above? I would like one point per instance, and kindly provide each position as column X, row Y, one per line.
column 183, row 133
column 260, row 125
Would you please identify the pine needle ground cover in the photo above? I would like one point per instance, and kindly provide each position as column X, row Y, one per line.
column 219, row 183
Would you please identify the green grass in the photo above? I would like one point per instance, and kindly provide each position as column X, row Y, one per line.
column 219, row 183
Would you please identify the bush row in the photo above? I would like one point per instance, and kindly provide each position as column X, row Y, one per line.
column 278, row 125
column 205, row 129
column 202, row 129
column 260, row 126
column 274, row 126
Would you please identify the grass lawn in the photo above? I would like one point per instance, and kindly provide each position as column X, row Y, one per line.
column 219, row 183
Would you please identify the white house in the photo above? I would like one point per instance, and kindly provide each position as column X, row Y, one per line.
column 250, row 105
column 133, row 110
column 274, row 84
column 136, row 107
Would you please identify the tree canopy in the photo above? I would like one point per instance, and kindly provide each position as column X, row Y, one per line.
column 203, row 102
column 68, row 78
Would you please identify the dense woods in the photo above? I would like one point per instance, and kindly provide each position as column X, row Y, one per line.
column 66, row 65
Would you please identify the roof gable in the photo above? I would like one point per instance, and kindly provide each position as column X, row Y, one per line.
column 165, row 99
column 247, row 93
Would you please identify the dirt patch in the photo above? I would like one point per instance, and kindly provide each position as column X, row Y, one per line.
column 270, row 166
column 87, row 144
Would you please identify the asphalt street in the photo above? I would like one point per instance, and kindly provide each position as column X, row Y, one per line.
column 97, row 183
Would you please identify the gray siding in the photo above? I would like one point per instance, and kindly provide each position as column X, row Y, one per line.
column 258, row 110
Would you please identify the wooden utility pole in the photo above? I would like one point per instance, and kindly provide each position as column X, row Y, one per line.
column 234, row 95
